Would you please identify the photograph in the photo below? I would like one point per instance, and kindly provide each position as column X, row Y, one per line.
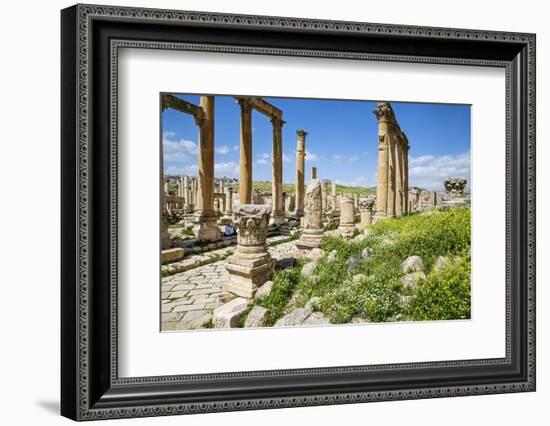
column 293, row 212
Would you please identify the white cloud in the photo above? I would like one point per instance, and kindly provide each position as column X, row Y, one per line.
column 262, row 161
column 428, row 171
column 183, row 170
column 229, row 169
column 235, row 147
column 361, row 181
column 287, row 158
column 338, row 157
column 177, row 150
column 311, row 156
column 222, row 149
column 265, row 155
column 354, row 158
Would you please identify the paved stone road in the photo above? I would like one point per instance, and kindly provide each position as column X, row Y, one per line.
column 188, row 298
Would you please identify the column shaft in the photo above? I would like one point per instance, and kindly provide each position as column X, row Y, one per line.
column 245, row 181
column 277, row 177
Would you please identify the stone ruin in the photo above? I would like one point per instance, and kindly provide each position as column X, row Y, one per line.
column 347, row 227
column 366, row 207
column 312, row 232
column 454, row 192
column 251, row 265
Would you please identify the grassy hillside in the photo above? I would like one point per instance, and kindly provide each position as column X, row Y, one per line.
column 289, row 188
column 352, row 286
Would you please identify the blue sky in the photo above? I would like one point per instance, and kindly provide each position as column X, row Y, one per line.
column 342, row 140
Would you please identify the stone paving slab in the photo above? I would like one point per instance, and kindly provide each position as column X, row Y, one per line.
column 189, row 297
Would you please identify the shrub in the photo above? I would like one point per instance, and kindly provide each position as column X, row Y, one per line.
column 444, row 295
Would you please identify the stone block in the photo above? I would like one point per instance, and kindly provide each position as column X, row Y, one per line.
column 256, row 317
column 171, row 255
column 229, row 315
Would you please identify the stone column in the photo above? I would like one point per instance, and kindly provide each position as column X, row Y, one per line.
column 312, row 233
column 333, row 205
column 206, row 227
column 314, row 173
column 383, row 113
column 398, row 177
column 366, row 207
column 347, row 219
column 278, row 214
column 300, row 165
column 324, row 195
column 251, row 265
column 229, row 201
column 245, row 181
column 406, row 174
column 166, row 187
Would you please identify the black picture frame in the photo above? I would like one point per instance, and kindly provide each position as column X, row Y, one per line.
column 90, row 386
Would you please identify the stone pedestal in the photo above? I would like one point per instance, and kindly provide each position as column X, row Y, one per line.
column 366, row 206
column 206, row 226
column 454, row 192
column 312, row 221
column 251, row 265
column 347, row 219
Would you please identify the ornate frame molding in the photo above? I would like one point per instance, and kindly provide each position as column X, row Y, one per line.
column 91, row 400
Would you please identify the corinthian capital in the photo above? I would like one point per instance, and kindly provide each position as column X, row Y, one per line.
column 384, row 112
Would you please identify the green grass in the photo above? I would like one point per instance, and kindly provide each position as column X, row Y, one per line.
column 290, row 188
column 379, row 295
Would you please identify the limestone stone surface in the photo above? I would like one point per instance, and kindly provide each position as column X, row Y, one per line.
column 256, row 317
column 312, row 233
column 251, row 265
column 229, row 314
column 316, row 318
column 264, row 290
column 308, row 269
column 347, row 227
column 332, row 256
column 412, row 264
column 366, row 207
column 171, row 255
column 295, row 317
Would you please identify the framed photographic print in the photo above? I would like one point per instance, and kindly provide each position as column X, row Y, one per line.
column 263, row 212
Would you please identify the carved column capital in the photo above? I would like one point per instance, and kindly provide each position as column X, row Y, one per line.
column 251, row 221
column 301, row 134
column 245, row 104
column 384, row 112
column 277, row 121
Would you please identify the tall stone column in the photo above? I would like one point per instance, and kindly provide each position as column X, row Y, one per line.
column 312, row 233
column 206, row 227
column 406, row 174
column 391, row 177
column 333, row 205
column 251, row 265
column 347, row 219
column 278, row 214
column 382, row 113
column 245, row 181
column 300, row 166
column 398, row 177
column 324, row 195
column 314, row 173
